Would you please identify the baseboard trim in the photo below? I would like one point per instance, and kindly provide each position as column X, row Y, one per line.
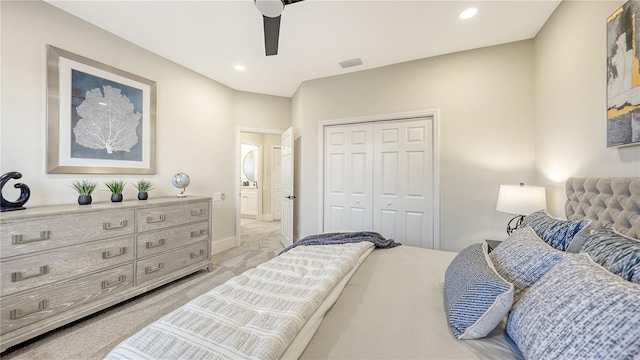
column 223, row 245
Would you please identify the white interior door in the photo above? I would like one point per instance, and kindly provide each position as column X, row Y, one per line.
column 403, row 183
column 286, row 163
column 276, row 183
column 348, row 182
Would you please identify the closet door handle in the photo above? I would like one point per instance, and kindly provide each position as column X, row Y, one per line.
column 17, row 239
column 108, row 226
column 16, row 314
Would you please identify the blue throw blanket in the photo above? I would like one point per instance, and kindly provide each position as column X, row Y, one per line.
column 345, row 237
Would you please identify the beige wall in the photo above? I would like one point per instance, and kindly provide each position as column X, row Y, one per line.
column 196, row 116
column 258, row 111
column 485, row 99
column 570, row 72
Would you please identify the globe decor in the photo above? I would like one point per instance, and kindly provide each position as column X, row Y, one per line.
column 181, row 181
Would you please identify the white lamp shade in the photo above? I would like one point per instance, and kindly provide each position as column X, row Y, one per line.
column 521, row 199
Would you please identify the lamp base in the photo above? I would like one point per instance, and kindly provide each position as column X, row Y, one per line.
column 518, row 221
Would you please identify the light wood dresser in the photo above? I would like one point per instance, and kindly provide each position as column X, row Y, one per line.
column 60, row 263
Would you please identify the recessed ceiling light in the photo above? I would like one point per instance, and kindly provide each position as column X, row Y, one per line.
column 239, row 67
column 468, row 13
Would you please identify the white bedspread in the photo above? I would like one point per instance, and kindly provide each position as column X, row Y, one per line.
column 255, row 315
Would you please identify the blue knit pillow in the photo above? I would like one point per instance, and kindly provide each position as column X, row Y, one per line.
column 578, row 310
column 616, row 252
column 523, row 258
column 476, row 297
column 555, row 231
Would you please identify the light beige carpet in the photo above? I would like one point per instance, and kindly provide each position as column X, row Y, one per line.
column 94, row 336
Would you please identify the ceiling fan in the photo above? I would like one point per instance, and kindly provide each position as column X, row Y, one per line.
column 271, row 12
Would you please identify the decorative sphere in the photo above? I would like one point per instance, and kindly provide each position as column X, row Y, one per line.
column 181, row 180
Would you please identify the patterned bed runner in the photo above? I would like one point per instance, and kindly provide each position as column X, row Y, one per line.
column 254, row 315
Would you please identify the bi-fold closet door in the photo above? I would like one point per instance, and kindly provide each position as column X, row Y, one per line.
column 378, row 176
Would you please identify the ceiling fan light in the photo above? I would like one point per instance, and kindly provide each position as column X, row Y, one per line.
column 270, row 8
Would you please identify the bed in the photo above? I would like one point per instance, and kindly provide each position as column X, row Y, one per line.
column 556, row 288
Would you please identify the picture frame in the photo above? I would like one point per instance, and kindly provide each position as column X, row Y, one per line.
column 100, row 120
column 623, row 75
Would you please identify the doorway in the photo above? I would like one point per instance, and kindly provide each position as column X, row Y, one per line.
column 257, row 186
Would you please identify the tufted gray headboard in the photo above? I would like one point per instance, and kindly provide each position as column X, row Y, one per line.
column 610, row 202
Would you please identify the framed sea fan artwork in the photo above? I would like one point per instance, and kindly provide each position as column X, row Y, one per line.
column 623, row 75
column 101, row 120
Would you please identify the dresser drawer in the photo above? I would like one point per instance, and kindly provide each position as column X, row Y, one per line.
column 163, row 240
column 23, row 237
column 37, row 270
column 166, row 216
column 158, row 266
column 27, row 308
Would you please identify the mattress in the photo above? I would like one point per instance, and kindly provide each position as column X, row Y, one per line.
column 393, row 308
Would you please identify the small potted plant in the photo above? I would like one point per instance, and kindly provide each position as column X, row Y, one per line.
column 84, row 188
column 116, row 187
column 144, row 186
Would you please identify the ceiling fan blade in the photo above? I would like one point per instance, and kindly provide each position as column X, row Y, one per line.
column 271, row 34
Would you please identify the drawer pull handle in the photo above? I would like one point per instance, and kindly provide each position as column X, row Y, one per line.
column 108, row 226
column 109, row 255
column 17, row 276
column 149, row 269
column 16, row 314
column 106, row 284
column 194, row 255
column 17, row 239
column 151, row 245
column 198, row 212
column 198, row 233
column 151, row 220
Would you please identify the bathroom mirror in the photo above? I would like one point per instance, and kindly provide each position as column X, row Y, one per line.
column 249, row 165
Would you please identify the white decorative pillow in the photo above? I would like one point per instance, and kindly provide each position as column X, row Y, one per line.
column 523, row 258
column 578, row 310
column 476, row 297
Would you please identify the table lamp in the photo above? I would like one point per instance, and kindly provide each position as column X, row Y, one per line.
column 521, row 200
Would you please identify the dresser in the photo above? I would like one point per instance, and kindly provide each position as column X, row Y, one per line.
column 61, row 263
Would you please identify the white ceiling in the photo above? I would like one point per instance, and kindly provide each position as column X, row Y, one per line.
column 210, row 37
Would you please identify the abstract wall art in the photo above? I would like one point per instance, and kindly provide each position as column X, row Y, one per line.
column 623, row 76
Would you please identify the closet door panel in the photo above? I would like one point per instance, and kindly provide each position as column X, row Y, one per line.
column 417, row 183
column 387, row 192
column 416, row 225
column 359, row 169
column 387, row 224
column 335, row 181
column 348, row 182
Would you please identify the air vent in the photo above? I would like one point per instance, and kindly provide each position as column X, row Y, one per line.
column 350, row 63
